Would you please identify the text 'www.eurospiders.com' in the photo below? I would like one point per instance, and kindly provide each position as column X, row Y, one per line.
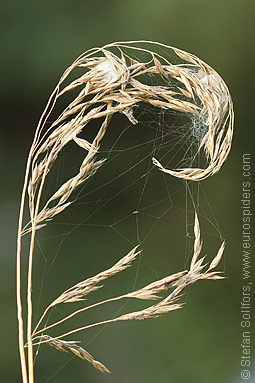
column 247, row 237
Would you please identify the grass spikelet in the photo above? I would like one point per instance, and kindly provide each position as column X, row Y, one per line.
column 73, row 347
column 81, row 289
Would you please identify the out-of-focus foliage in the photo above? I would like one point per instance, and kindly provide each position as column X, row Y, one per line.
column 38, row 41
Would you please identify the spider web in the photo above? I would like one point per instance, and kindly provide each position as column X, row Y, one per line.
column 127, row 202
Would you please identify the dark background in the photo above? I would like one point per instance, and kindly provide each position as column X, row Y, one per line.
column 200, row 343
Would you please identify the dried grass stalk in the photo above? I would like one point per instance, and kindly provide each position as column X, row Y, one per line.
column 113, row 80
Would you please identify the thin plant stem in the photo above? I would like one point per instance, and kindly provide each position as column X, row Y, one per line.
column 41, row 319
column 73, row 314
column 80, row 329
column 18, row 280
column 29, row 279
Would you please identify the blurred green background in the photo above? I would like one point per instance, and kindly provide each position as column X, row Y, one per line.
column 200, row 343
